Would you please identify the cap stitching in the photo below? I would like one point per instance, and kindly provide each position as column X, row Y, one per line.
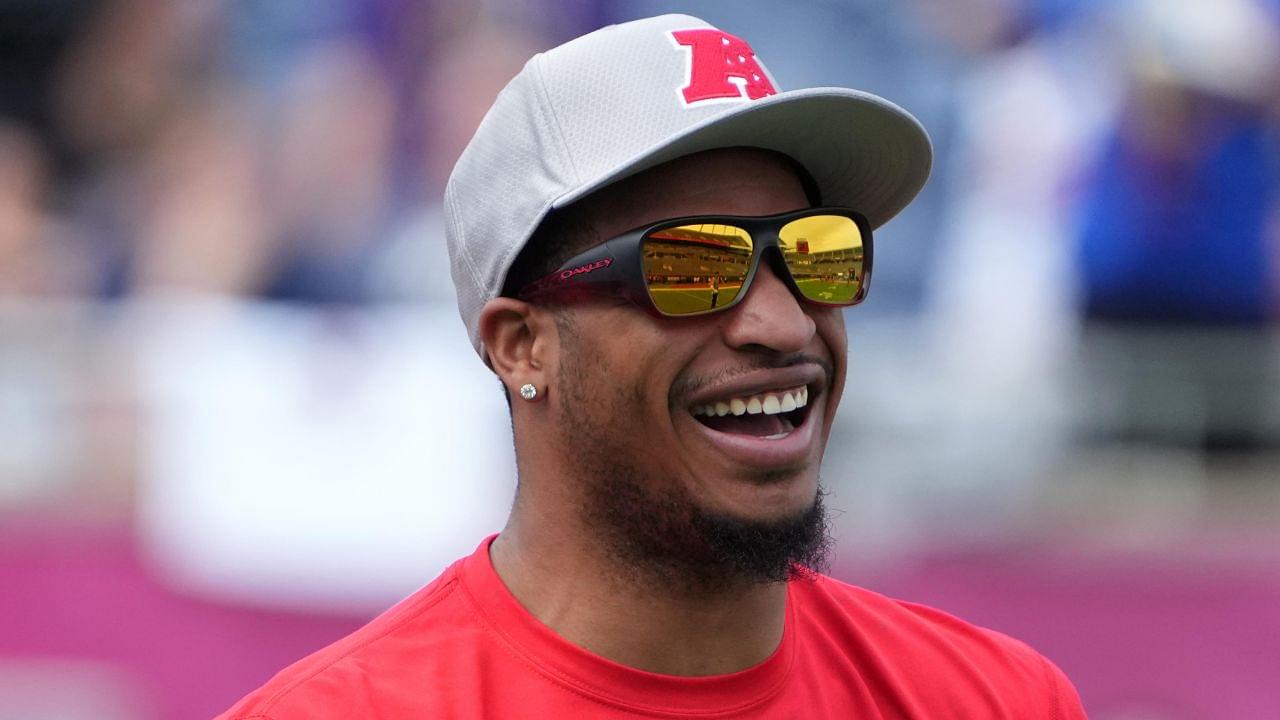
column 451, row 207
column 541, row 87
column 469, row 314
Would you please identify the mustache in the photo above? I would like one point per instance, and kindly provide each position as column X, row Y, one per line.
column 685, row 386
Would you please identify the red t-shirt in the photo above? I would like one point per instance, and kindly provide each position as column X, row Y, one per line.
column 464, row 647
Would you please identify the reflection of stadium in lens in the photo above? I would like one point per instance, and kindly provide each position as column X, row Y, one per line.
column 825, row 256
column 696, row 268
column 706, row 234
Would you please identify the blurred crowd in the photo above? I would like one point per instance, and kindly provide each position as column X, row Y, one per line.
column 273, row 149
column 207, row 204
column 295, row 150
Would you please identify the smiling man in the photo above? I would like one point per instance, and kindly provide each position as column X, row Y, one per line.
column 653, row 249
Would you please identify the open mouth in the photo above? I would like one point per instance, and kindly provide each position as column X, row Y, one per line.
column 771, row 415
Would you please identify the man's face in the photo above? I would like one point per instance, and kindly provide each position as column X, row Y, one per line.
column 632, row 388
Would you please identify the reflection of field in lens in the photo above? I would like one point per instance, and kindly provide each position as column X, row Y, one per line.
column 685, row 299
column 827, row 291
column 690, row 299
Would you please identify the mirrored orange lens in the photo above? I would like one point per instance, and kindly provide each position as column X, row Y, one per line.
column 825, row 256
column 695, row 268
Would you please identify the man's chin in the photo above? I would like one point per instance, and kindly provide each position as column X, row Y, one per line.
column 769, row 546
column 732, row 536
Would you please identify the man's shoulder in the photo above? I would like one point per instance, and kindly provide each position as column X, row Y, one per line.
column 328, row 682
column 952, row 653
column 830, row 600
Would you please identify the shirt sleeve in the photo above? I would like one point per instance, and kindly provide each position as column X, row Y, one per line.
column 1065, row 700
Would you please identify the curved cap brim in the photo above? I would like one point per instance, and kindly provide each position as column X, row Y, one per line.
column 862, row 151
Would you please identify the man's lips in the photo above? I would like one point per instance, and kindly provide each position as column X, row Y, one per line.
column 790, row 446
column 764, row 418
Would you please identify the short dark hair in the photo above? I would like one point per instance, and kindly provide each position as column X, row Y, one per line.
column 562, row 234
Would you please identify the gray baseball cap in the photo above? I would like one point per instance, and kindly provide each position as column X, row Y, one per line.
column 631, row 96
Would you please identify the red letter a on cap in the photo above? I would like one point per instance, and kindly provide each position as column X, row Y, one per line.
column 718, row 59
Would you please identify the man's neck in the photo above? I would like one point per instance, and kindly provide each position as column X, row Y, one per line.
column 566, row 584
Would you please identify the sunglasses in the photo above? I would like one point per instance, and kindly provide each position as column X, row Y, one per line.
column 703, row 264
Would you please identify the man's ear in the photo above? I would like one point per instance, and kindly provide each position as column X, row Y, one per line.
column 519, row 341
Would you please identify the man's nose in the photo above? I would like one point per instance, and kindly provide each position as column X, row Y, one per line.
column 769, row 316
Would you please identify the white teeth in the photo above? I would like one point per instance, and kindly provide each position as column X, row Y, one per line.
column 767, row 403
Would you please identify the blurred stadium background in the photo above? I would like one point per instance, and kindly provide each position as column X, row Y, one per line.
column 239, row 416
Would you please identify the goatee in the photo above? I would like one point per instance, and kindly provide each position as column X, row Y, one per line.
column 670, row 538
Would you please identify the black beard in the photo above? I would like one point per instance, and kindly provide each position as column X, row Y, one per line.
column 671, row 539
column 665, row 536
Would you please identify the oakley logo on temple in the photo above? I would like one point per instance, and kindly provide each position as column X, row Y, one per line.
column 721, row 66
column 564, row 276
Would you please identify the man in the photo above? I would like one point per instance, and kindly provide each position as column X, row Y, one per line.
column 663, row 555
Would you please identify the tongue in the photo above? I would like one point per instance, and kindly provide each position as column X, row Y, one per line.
column 758, row 425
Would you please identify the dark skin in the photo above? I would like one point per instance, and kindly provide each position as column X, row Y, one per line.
column 618, row 374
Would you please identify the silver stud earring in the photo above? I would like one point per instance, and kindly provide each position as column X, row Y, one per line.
column 528, row 391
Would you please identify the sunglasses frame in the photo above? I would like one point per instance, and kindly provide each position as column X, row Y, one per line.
column 616, row 266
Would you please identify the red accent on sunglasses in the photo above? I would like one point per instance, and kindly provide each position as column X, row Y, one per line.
column 557, row 279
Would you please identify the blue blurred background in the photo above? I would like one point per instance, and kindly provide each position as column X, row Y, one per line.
column 239, row 415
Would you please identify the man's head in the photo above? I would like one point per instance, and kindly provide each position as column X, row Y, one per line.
column 627, row 439
column 621, row 421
